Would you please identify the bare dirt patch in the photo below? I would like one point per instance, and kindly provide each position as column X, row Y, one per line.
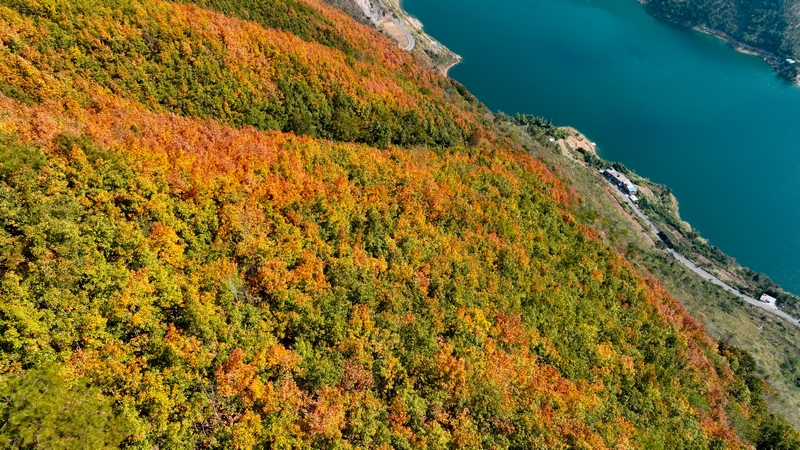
column 576, row 140
column 395, row 32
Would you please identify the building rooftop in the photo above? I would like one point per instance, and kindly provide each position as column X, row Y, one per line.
column 768, row 298
column 622, row 179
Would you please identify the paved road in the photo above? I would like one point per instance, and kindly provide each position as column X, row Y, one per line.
column 707, row 276
column 411, row 41
column 692, row 266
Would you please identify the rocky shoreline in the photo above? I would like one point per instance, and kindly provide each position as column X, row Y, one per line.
column 781, row 65
column 385, row 14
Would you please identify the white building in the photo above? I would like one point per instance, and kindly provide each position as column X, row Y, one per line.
column 768, row 299
column 620, row 180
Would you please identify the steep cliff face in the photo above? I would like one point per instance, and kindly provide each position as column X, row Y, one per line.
column 238, row 225
column 769, row 28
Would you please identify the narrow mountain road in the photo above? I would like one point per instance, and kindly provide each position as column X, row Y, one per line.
column 411, row 41
column 707, row 276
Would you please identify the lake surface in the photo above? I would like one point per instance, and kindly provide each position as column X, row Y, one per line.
column 677, row 106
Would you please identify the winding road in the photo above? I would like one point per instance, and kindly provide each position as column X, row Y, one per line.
column 411, row 41
column 707, row 276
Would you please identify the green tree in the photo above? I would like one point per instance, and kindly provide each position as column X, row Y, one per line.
column 776, row 434
column 38, row 409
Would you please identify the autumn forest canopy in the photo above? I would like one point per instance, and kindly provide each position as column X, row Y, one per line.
column 236, row 224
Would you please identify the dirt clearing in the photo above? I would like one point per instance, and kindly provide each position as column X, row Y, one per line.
column 395, row 32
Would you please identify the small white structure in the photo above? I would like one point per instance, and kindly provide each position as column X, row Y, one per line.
column 552, row 139
column 768, row 299
column 634, row 198
column 790, row 61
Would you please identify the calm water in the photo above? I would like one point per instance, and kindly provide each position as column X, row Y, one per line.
column 676, row 106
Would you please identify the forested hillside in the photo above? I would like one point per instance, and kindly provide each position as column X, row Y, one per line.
column 236, row 225
column 769, row 25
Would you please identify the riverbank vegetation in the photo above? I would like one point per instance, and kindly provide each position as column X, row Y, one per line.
column 539, row 126
column 661, row 206
column 659, row 203
column 770, row 26
column 217, row 234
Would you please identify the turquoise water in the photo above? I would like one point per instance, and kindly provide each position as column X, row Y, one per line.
column 676, row 106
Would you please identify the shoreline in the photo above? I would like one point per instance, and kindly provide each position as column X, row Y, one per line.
column 770, row 58
column 576, row 140
column 675, row 230
column 674, row 235
column 446, row 70
column 432, row 52
column 778, row 64
column 430, row 44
